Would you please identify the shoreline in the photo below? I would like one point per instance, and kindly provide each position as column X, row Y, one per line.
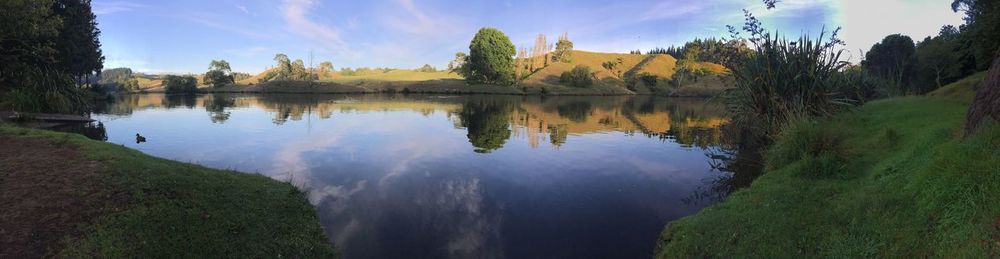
column 453, row 87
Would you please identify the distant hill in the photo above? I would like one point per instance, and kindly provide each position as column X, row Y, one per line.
column 623, row 77
column 614, row 74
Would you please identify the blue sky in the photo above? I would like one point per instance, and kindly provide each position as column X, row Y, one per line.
column 182, row 36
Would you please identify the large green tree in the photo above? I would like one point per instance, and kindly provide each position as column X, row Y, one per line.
column 491, row 58
column 564, row 49
column 981, row 31
column 219, row 73
column 283, row 67
column 44, row 46
column 938, row 62
column 78, row 43
column 893, row 59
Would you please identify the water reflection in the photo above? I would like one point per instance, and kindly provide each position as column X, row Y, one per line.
column 428, row 176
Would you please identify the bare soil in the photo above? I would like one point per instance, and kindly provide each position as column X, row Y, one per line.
column 47, row 191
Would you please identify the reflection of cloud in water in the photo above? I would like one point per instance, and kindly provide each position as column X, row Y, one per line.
column 655, row 170
column 447, row 218
column 424, row 149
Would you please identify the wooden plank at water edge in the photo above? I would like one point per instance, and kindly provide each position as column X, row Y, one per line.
column 48, row 117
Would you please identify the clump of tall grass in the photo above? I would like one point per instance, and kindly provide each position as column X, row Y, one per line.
column 40, row 89
column 816, row 148
column 781, row 81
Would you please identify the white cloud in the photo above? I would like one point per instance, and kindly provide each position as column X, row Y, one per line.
column 295, row 13
column 414, row 20
column 866, row 22
column 244, row 9
column 242, row 30
column 105, row 8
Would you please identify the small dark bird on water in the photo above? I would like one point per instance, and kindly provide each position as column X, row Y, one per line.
column 139, row 138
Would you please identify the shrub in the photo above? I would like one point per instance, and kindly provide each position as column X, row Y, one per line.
column 180, row 84
column 783, row 80
column 579, row 76
column 650, row 80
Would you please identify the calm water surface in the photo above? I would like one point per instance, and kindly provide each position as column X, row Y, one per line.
column 428, row 176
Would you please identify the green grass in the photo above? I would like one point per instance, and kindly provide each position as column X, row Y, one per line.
column 399, row 75
column 174, row 209
column 892, row 179
column 961, row 90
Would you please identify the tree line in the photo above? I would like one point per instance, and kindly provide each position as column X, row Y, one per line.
column 49, row 52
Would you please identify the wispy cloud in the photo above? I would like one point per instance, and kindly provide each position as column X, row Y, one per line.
column 672, row 9
column 244, row 9
column 241, row 30
column 414, row 20
column 295, row 13
column 104, row 8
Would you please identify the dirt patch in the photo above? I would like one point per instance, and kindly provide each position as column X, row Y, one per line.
column 48, row 190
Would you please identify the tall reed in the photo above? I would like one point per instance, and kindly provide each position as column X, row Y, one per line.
column 781, row 80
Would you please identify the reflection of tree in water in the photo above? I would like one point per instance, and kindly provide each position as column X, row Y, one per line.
column 558, row 134
column 740, row 157
column 180, row 100
column 575, row 111
column 289, row 107
column 216, row 107
column 488, row 124
column 92, row 130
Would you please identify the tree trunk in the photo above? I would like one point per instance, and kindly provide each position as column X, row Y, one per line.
column 986, row 105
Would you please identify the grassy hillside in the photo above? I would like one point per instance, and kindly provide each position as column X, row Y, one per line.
column 146, row 207
column 624, row 77
column 961, row 90
column 894, row 178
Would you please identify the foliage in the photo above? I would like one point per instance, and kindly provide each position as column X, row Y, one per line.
column 938, row 62
column 122, row 78
column 893, row 59
column 579, row 76
column 325, row 66
column 426, row 68
column 488, row 125
column 564, row 50
column 650, row 80
column 781, row 81
column 238, row 76
column 861, row 86
column 980, row 33
column 458, row 63
column 708, row 50
column 173, row 84
column 688, row 71
column 287, row 70
column 219, row 74
column 78, row 43
column 46, row 48
column 490, row 58
column 283, row 67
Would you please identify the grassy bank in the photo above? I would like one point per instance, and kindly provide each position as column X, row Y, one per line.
column 892, row 179
column 148, row 207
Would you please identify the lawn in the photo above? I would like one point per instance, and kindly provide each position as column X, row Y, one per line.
column 894, row 178
column 148, row 207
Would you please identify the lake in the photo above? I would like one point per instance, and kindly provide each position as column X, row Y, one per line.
column 437, row 176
